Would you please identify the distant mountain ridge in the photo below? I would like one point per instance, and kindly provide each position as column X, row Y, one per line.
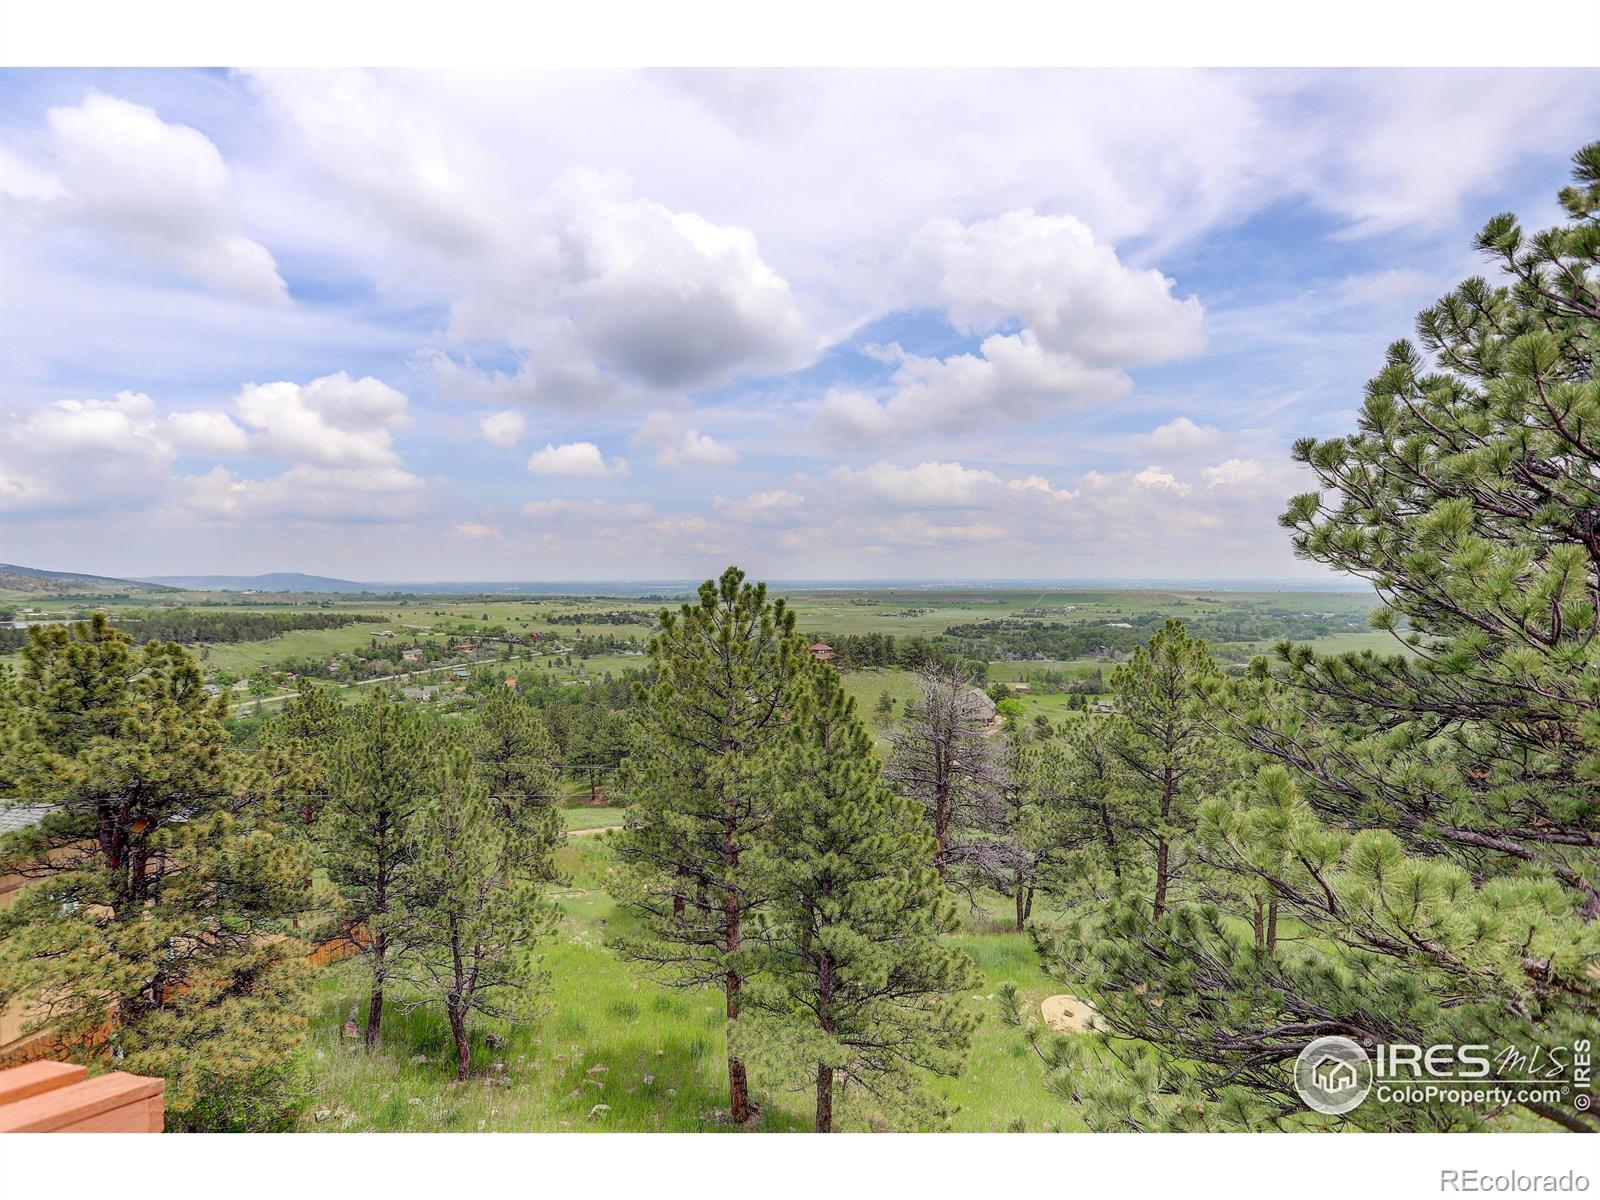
column 17, row 578
column 274, row 581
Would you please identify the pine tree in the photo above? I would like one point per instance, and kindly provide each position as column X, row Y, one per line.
column 853, row 971
column 702, row 773
column 299, row 748
column 516, row 760
column 1430, row 821
column 470, row 904
column 380, row 774
column 1167, row 756
column 883, row 712
column 159, row 926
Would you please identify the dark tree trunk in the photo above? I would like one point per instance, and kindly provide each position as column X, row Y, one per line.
column 1111, row 840
column 1161, row 878
column 824, row 1123
column 826, row 985
column 380, row 949
column 1022, row 905
column 738, row 1081
column 458, row 1030
column 1257, row 924
column 1027, row 908
column 1272, row 927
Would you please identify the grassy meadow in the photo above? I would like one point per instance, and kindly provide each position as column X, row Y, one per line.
column 613, row 1036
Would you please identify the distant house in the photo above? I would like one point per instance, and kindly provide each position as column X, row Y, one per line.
column 411, row 655
column 242, row 685
column 1103, row 706
column 512, row 684
column 422, row 695
column 212, row 689
column 460, row 672
column 1119, row 625
column 821, row 651
column 1020, row 687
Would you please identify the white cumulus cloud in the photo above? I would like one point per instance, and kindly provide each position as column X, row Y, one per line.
column 574, row 458
column 161, row 189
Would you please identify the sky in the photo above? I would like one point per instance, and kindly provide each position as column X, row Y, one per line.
column 643, row 324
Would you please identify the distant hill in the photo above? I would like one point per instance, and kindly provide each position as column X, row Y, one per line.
column 277, row 581
column 68, row 583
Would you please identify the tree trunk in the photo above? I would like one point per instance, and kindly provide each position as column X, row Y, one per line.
column 1022, row 905
column 1161, row 878
column 738, row 1081
column 1027, row 909
column 380, row 948
column 1272, row 926
column 1256, row 923
column 825, row 990
column 458, row 1030
column 824, row 1123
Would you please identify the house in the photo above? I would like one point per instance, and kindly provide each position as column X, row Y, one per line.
column 1119, row 625
column 241, row 685
column 1103, row 706
column 422, row 695
column 460, row 673
column 411, row 655
column 1021, row 687
column 212, row 689
column 512, row 684
column 821, row 651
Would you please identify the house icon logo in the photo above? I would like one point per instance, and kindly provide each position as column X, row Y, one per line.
column 1333, row 1075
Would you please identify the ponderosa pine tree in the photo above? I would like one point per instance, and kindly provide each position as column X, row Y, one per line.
column 470, row 903
column 702, row 775
column 1167, row 757
column 516, row 760
column 382, row 771
column 1432, row 820
column 159, row 924
column 852, row 972
column 299, row 749
column 1083, row 844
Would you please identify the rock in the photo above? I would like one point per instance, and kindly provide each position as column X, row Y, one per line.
column 672, row 1093
column 598, row 1069
column 649, row 1079
column 598, row 1111
column 1068, row 1014
column 321, row 1114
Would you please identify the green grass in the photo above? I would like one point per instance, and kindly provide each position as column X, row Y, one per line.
column 591, row 818
column 661, row 1048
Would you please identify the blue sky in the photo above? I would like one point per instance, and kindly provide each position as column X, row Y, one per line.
column 623, row 324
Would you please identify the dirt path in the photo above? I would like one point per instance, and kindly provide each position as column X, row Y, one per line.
column 588, row 832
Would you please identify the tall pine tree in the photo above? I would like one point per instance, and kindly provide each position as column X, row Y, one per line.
column 853, row 970
column 703, row 778
column 383, row 770
column 160, row 924
column 471, row 902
